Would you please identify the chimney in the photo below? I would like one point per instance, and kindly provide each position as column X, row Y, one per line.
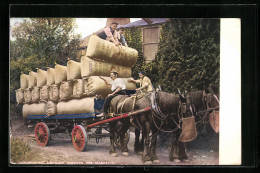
column 147, row 20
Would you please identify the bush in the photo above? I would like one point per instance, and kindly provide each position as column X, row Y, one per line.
column 19, row 150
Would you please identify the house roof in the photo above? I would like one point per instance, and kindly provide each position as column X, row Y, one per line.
column 142, row 22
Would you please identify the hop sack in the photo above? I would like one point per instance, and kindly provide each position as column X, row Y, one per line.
column 51, row 108
column 73, row 70
column 78, row 88
column 35, row 94
column 19, row 95
column 91, row 67
column 50, row 76
column 107, row 51
column 41, row 77
column 94, row 85
column 54, row 92
column 33, row 109
column 32, row 79
column 44, row 93
column 66, row 90
column 60, row 73
column 24, row 80
column 27, row 95
column 76, row 106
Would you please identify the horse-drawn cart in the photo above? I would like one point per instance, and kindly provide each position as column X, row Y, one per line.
column 78, row 126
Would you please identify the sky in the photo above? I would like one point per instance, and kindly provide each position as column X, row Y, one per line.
column 86, row 26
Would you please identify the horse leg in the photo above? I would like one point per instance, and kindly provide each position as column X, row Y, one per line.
column 112, row 150
column 153, row 156
column 137, row 142
column 141, row 149
column 123, row 142
column 182, row 152
column 173, row 155
column 146, row 154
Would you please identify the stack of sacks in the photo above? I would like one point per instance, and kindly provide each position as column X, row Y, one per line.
column 71, row 89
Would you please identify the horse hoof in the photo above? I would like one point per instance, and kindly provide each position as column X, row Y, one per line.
column 185, row 160
column 148, row 162
column 113, row 154
column 176, row 161
column 156, row 161
column 126, row 153
column 140, row 153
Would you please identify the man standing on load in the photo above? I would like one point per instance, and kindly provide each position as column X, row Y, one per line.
column 145, row 83
column 110, row 33
column 118, row 88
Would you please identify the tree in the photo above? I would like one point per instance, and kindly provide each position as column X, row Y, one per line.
column 188, row 55
column 39, row 43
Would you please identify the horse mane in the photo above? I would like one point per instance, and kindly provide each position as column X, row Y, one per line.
column 196, row 99
column 167, row 102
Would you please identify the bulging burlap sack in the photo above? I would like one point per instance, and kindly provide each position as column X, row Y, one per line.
column 41, row 77
column 24, row 80
column 33, row 109
column 76, row 106
column 66, row 90
column 54, row 92
column 78, row 88
column 107, row 51
column 51, row 108
column 19, row 93
column 73, row 70
column 60, row 73
column 95, row 85
column 44, row 93
column 32, row 79
column 50, row 76
column 189, row 131
column 35, row 94
column 91, row 67
column 27, row 95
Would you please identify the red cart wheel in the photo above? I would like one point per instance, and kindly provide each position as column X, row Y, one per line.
column 42, row 134
column 79, row 138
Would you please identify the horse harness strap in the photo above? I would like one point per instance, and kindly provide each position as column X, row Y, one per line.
column 160, row 115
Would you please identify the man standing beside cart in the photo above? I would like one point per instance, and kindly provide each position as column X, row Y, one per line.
column 118, row 88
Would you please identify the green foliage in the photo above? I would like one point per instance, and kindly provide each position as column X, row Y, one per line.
column 188, row 55
column 133, row 37
column 39, row 43
column 19, row 150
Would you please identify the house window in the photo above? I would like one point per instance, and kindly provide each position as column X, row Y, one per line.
column 150, row 42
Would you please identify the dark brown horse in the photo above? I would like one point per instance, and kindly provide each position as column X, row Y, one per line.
column 170, row 109
column 203, row 106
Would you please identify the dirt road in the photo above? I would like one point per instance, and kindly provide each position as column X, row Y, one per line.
column 61, row 151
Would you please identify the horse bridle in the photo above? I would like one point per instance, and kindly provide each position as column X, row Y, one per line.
column 206, row 111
